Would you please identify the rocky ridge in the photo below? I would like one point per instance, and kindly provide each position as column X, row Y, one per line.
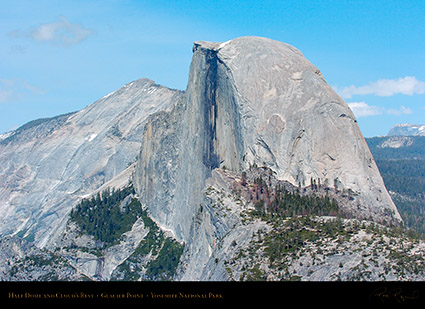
column 254, row 101
column 244, row 245
column 47, row 166
column 406, row 129
column 253, row 107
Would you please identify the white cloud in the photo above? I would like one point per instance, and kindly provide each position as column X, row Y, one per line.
column 10, row 89
column 408, row 85
column 59, row 32
column 402, row 111
column 362, row 109
column 6, row 90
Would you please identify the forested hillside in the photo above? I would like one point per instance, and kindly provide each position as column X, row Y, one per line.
column 401, row 161
column 397, row 147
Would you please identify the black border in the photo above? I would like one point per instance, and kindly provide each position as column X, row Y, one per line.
column 214, row 293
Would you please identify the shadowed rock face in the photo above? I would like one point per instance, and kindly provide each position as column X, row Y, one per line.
column 254, row 101
column 249, row 102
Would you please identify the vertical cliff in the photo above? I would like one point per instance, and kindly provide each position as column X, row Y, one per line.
column 181, row 148
column 255, row 101
column 210, row 164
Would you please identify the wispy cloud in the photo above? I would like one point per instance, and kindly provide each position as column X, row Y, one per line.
column 401, row 111
column 10, row 89
column 362, row 109
column 408, row 85
column 6, row 90
column 60, row 32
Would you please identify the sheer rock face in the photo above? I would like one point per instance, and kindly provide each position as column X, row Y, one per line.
column 254, row 101
column 47, row 167
column 249, row 102
column 296, row 124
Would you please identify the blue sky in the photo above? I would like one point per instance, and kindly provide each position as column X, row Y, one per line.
column 60, row 56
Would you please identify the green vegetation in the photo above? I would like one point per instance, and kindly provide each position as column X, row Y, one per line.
column 105, row 216
column 403, row 171
column 43, row 265
column 296, row 232
column 166, row 254
column 282, row 244
column 108, row 215
column 254, row 274
column 279, row 201
column 299, row 229
column 388, row 248
column 165, row 265
column 404, row 176
column 413, row 151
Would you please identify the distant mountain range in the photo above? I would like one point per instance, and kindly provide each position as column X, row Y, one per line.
column 401, row 162
column 406, row 129
column 257, row 171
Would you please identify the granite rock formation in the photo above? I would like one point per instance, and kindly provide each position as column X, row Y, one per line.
column 254, row 101
column 50, row 164
column 251, row 104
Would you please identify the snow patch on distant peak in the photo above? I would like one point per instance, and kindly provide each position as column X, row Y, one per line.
column 407, row 129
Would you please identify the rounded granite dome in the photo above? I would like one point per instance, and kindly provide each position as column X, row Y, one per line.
column 291, row 120
column 264, row 68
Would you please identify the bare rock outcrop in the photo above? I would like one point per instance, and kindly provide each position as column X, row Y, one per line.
column 251, row 104
column 255, row 101
column 48, row 165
